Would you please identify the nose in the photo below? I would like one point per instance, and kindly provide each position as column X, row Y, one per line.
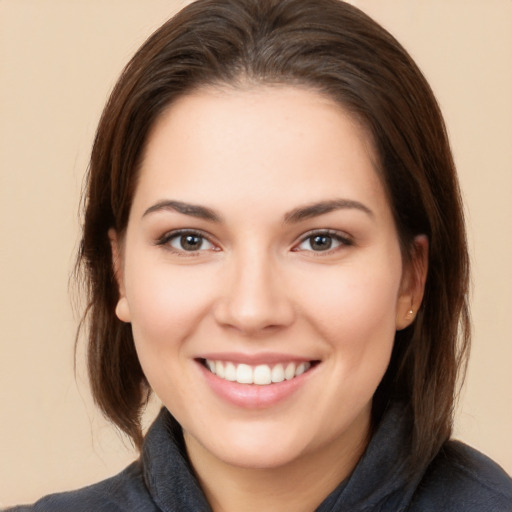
column 253, row 299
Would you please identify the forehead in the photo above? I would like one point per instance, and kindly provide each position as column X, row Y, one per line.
column 290, row 143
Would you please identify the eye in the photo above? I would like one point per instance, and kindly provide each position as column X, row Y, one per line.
column 322, row 241
column 187, row 241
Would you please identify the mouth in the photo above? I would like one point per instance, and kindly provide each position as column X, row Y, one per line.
column 261, row 374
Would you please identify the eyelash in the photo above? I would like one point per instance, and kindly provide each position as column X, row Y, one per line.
column 341, row 239
column 165, row 241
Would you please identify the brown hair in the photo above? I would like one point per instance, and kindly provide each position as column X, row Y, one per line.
column 336, row 49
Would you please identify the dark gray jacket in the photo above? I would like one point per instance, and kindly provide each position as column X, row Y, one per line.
column 459, row 479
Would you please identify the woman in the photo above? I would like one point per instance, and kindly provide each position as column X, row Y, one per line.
column 274, row 245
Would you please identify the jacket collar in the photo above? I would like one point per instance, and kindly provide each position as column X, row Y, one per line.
column 380, row 479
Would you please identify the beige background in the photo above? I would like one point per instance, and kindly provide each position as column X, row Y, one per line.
column 58, row 61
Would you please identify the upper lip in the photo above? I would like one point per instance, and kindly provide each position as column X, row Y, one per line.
column 268, row 358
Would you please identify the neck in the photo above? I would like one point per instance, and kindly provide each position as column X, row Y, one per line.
column 299, row 486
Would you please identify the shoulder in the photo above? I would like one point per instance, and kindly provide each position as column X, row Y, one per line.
column 123, row 492
column 463, row 479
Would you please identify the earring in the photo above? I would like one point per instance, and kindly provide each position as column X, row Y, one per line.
column 410, row 313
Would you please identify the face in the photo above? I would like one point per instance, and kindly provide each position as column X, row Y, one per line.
column 262, row 274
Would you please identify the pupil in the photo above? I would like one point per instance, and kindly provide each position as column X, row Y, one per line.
column 191, row 242
column 321, row 242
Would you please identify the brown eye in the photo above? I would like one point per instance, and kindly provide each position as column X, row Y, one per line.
column 323, row 241
column 189, row 242
column 320, row 242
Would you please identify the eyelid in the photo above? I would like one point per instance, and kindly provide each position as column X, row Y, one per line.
column 164, row 240
column 342, row 237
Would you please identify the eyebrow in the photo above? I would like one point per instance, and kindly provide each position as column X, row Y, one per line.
column 323, row 207
column 291, row 217
column 202, row 212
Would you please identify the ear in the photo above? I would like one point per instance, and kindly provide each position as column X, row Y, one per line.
column 122, row 308
column 413, row 284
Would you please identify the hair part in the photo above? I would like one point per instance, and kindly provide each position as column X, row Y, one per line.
column 334, row 48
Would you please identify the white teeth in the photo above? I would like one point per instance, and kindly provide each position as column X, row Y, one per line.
column 261, row 374
column 230, row 372
column 243, row 374
column 300, row 369
column 289, row 373
column 219, row 369
column 278, row 373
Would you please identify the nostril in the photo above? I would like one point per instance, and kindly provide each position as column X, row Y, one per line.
column 252, row 314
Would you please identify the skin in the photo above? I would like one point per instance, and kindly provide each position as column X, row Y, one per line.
column 257, row 285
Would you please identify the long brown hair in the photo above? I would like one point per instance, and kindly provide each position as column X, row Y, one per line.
column 334, row 48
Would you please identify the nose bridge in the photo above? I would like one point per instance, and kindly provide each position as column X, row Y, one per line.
column 254, row 298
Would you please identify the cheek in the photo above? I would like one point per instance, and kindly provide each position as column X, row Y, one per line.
column 166, row 304
column 354, row 296
column 356, row 317
column 166, row 301
column 354, row 309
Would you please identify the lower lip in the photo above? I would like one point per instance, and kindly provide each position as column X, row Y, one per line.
column 254, row 396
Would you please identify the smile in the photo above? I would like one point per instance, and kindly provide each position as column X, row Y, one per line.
column 261, row 375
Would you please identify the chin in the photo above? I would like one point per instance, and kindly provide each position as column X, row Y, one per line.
column 249, row 446
column 255, row 457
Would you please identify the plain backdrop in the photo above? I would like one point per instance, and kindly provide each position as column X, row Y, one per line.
column 58, row 61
